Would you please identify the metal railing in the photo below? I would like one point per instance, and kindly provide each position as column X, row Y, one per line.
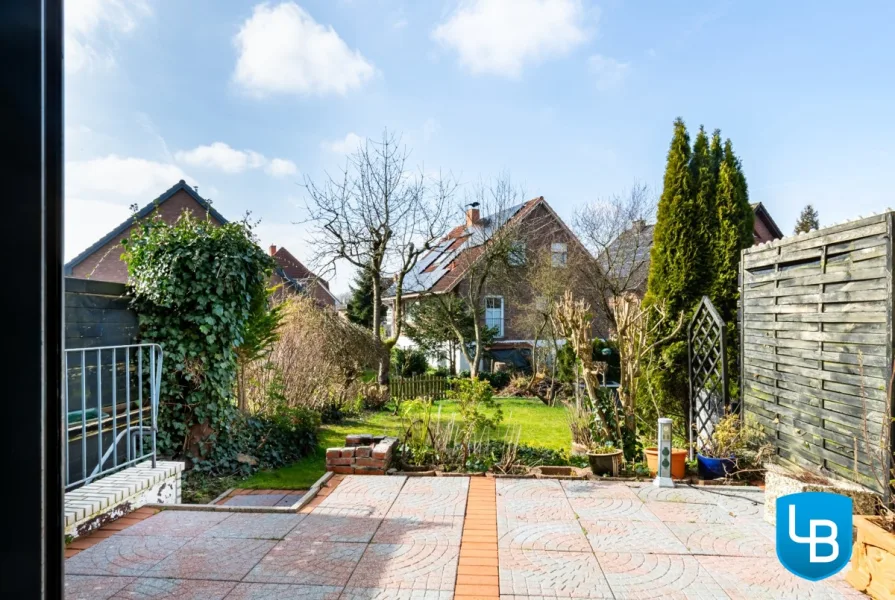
column 110, row 403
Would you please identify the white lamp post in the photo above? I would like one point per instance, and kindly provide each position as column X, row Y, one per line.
column 663, row 475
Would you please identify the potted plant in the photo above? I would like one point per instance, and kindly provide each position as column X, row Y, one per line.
column 678, row 461
column 605, row 459
column 735, row 447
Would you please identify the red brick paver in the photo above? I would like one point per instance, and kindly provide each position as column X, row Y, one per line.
column 477, row 575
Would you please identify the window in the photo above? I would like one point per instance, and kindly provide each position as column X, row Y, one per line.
column 494, row 314
column 517, row 254
column 559, row 253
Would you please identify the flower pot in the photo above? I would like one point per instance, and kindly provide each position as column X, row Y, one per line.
column 678, row 462
column 873, row 560
column 714, row 468
column 605, row 464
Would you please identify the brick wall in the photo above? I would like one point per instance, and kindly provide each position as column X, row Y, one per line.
column 362, row 455
column 106, row 265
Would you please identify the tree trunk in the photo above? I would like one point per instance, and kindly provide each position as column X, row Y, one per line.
column 241, row 385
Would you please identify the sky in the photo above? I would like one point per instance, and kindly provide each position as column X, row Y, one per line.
column 574, row 99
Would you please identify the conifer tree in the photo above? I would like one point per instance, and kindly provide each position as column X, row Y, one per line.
column 360, row 306
column 704, row 172
column 807, row 220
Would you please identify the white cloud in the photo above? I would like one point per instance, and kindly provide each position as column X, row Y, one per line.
column 283, row 50
column 91, row 26
column 608, row 72
column 501, row 36
column 222, row 157
column 100, row 191
column 280, row 167
column 400, row 24
column 345, row 146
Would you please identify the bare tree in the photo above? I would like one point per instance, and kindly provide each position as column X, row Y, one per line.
column 617, row 233
column 378, row 215
column 492, row 261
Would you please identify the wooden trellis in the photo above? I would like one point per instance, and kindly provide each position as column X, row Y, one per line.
column 707, row 359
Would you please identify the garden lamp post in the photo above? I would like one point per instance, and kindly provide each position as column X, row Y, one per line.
column 663, row 474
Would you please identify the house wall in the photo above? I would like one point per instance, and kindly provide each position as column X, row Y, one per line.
column 761, row 231
column 106, row 265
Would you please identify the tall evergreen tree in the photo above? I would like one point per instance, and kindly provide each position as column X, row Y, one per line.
column 807, row 220
column 360, row 306
column 704, row 168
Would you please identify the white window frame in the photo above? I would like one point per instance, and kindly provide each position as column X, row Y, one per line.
column 559, row 254
column 502, row 329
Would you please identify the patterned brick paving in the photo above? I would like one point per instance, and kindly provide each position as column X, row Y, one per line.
column 391, row 538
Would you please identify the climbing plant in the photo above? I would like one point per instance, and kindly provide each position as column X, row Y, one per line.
column 194, row 287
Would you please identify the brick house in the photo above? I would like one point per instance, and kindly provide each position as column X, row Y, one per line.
column 293, row 277
column 444, row 270
column 102, row 261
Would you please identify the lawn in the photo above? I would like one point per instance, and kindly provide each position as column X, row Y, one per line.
column 541, row 425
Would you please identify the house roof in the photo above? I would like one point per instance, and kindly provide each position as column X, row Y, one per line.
column 440, row 269
column 296, row 274
column 762, row 213
column 629, row 253
column 142, row 213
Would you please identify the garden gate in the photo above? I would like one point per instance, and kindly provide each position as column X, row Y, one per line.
column 707, row 366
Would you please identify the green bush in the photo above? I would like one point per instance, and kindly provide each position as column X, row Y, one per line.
column 565, row 365
column 498, row 380
column 408, row 363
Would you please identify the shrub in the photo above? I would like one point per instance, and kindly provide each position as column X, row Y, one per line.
column 498, row 379
column 408, row 363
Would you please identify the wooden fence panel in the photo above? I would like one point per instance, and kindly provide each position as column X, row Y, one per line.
column 430, row 387
column 817, row 345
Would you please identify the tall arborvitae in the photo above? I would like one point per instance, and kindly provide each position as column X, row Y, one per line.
column 678, row 271
column 360, row 306
column 807, row 220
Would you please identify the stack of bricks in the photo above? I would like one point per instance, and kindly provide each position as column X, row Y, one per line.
column 363, row 454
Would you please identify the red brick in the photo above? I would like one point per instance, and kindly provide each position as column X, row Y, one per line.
column 342, row 470
column 363, row 451
column 339, row 461
column 370, row 462
column 368, row 471
column 347, row 452
column 333, row 452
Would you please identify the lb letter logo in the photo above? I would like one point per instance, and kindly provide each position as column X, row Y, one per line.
column 814, row 533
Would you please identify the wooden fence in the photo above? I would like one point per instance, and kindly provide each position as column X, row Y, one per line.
column 421, row 386
column 816, row 345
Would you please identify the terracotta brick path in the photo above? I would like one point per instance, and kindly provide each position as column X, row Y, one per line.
column 384, row 538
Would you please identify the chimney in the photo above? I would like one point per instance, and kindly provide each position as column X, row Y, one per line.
column 472, row 216
column 273, row 249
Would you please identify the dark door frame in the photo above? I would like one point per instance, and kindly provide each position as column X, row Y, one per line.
column 31, row 127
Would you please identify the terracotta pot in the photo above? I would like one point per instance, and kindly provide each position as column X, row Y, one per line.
column 873, row 560
column 605, row 464
column 678, row 462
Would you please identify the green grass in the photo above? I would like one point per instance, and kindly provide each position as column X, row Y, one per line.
column 541, row 425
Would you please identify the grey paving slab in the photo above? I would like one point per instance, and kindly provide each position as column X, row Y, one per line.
column 626, row 509
column 632, row 536
column 687, row 495
column 213, row 558
column 327, row 526
column 529, row 489
column 750, row 578
column 297, row 562
column 281, row 591
column 178, row 523
column 124, row 555
column 560, row 536
column 412, row 566
column 255, row 500
column 682, row 512
column 545, row 574
column 147, row 588
column 636, row 576
column 255, row 526
column 361, row 593
column 423, row 529
column 523, row 509
column 721, row 539
column 93, row 587
column 289, row 499
column 597, row 489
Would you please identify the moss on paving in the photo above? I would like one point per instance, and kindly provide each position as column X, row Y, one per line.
column 541, row 426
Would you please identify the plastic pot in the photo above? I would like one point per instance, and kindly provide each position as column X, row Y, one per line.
column 678, row 462
column 714, row 468
column 605, row 464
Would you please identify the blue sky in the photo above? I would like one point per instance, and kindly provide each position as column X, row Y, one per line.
column 575, row 99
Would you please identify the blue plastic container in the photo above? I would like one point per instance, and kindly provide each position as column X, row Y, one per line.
column 714, row 468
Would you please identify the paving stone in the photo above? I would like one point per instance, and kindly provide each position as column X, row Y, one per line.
column 536, row 509
column 425, row 529
column 147, row 588
column 213, row 558
column 745, row 505
column 598, row 489
column 289, row 499
column 279, row 591
column 687, row 495
column 441, row 496
column 529, row 489
column 407, row 566
column 561, row 536
column 752, row 578
column 636, row 576
column 632, row 536
column 254, row 500
column 723, row 539
column 597, row 509
column 323, row 526
column 681, row 512
column 257, row 526
column 298, row 562
column 544, row 574
column 123, row 555
column 394, row 594
column 177, row 523
column 93, row 587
